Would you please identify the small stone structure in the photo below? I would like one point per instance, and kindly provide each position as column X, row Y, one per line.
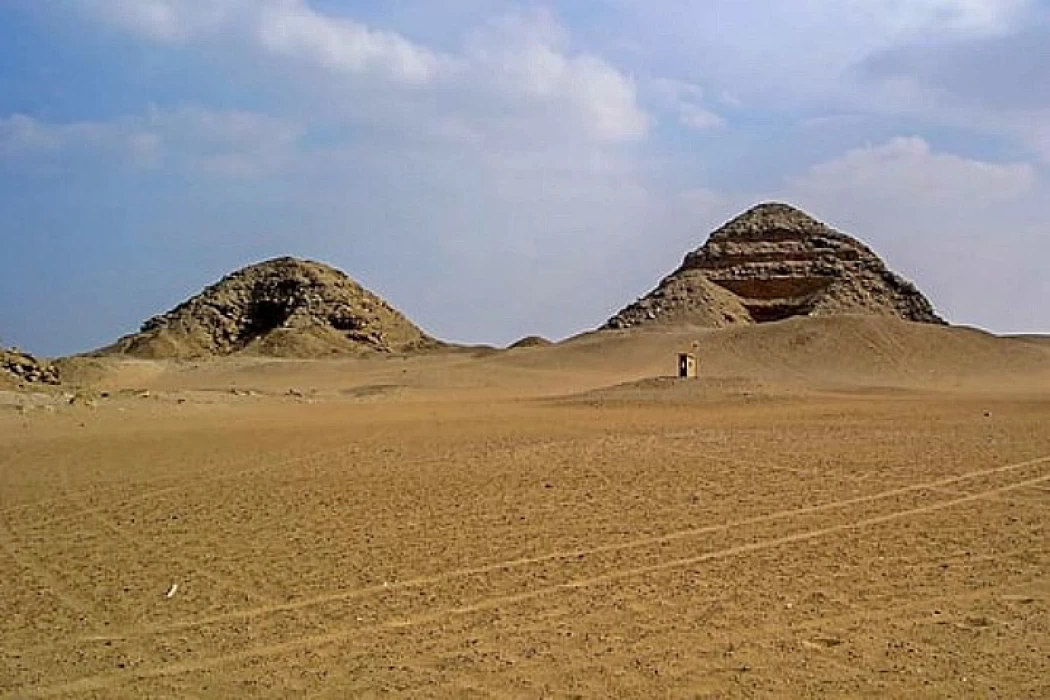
column 687, row 365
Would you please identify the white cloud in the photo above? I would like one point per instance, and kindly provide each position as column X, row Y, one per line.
column 231, row 143
column 1029, row 128
column 518, row 142
column 990, row 84
column 518, row 69
column 605, row 97
column 686, row 100
column 799, row 56
column 960, row 16
column 287, row 28
column 699, row 118
column 20, row 133
column 172, row 21
column 905, row 96
column 1034, row 129
column 969, row 232
column 524, row 60
column 969, row 65
column 290, row 28
column 906, row 168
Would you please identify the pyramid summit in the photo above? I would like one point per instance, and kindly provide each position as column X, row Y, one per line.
column 771, row 263
column 773, row 220
column 282, row 307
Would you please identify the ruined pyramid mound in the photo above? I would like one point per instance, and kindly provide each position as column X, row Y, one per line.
column 771, row 263
column 530, row 341
column 282, row 307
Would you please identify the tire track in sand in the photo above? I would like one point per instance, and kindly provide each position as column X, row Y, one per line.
column 343, row 595
column 44, row 576
column 188, row 481
column 95, row 514
column 102, row 682
column 182, row 482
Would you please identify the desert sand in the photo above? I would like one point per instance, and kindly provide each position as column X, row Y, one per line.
column 837, row 507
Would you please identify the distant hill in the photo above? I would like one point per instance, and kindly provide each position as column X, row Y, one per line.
column 771, row 263
column 283, row 307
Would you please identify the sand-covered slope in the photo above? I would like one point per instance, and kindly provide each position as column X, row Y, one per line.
column 283, row 307
column 802, row 353
column 775, row 262
column 853, row 350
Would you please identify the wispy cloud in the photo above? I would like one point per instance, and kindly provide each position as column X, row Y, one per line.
column 906, row 168
column 686, row 101
column 968, row 17
column 232, row 142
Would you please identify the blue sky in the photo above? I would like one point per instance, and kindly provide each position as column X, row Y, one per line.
column 499, row 168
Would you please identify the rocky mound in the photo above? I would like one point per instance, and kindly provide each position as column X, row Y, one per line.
column 17, row 366
column 771, row 263
column 282, row 307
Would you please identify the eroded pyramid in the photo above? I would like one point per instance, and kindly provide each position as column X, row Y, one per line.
column 771, row 263
column 283, row 307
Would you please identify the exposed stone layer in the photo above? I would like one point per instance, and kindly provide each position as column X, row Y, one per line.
column 775, row 262
column 282, row 307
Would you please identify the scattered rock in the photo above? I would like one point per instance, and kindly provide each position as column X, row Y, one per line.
column 21, row 367
column 976, row 623
column 822, row 642
column 82, row 398
column 771, row 263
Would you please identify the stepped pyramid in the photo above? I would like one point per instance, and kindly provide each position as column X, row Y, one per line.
column 283, row 307
column 771, row 263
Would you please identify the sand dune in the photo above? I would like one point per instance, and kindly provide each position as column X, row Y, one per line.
column 844, row 351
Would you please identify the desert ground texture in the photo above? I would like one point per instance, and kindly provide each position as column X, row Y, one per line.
column 849, row 507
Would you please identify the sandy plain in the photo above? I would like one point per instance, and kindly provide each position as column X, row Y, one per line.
column 836, row 508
